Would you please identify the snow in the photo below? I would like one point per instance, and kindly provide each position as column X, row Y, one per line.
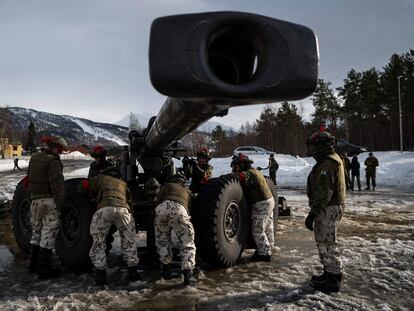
column 98, row 132
column 75, row 155
column 8, row 164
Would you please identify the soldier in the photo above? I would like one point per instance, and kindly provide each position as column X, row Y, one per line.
column 347, row 169
column 114, row 208
column 355, row 172
column 371, row 164
column 201, row 171
column 235, row 167
column 100, row 163
column 46, row 186
column 262, row 203
column 172, row 214
column 326, row 191
column 16, row 164
column 273, row 167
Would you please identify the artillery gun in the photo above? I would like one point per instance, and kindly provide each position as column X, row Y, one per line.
column 205, row 63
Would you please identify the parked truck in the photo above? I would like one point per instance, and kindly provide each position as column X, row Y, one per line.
column 205, row 63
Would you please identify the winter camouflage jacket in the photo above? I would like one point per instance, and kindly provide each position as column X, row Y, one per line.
column 95, row 168
column 326, row 183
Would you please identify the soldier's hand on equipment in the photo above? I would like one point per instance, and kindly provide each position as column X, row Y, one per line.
column 309, row 221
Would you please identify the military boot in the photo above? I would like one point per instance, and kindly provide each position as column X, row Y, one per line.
column 133, row 274
column 257, row 257
column 100, row 277
column 165, row 271
column 34, row 258
column 189, row 279
column 45, row 270
column 319, row 278
column 331, row 283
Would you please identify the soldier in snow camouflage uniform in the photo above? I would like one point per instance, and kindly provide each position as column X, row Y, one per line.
column 371, row 164
column 326, row 190
column 262, row 203
column 201, row 171
column 171, row 214
column 113, row 208
column 100, row 163
column 46, row 186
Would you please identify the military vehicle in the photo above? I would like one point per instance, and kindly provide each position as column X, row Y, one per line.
column 205, row 63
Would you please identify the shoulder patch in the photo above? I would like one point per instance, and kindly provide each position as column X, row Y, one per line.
column 324, row 173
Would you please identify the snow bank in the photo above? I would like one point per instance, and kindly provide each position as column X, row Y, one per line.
column 395, row 169
column 75, row 155
column 8, row 164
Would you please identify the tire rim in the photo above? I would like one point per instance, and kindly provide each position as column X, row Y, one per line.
column 70, row 226
column 24, row 219
column 231, row 221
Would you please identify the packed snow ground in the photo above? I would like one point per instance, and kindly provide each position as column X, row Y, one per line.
column 376, row 240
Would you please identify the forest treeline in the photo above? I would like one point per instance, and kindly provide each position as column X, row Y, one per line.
column 364, row 111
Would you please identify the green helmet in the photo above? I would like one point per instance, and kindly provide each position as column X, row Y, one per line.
column 319, row 142
column 55, row 140
column 243, row 161
column 321, row 138
column 203, row 153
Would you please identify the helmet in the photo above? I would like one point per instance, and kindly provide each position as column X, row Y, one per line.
column 98, row 152
column 321, row 138
column 319, row 142
column 243, row 161
column 203, row 153
column 272, row 155
column 55, row 141
column 178, row 179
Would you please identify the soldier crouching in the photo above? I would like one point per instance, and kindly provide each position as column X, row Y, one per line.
column 46, row 186
column 262, row 203
column 171, row 214
column 113, row 208
column 326, row 189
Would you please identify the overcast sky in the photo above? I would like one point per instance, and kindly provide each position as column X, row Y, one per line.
column 90, row 58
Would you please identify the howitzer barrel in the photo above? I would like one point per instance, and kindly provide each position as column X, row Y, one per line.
column 209, row 62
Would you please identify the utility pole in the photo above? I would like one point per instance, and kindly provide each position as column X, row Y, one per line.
column 400, row 113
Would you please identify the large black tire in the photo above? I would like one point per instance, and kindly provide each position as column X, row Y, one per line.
column 21, row 217
column 221, row 221
column 74, row 241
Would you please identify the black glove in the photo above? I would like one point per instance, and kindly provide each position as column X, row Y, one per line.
column 259, row 168
column 309, row 221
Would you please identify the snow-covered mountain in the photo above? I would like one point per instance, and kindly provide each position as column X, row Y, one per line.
column 77, row 131
column 143, row 119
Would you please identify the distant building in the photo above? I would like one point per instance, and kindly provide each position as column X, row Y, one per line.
column 10, row 150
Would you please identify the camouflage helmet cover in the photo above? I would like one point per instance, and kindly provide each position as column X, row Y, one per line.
column 203, row 153
column 321, row 138
column 98, row 152
column 55, row 141
column 242, row 160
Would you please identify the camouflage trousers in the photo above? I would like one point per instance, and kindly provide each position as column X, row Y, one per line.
column 102, row 221
column 370, row 175
column 262, row 225
column 172, row 216
column 45, row 220
column 272, row 176
column 325, row 228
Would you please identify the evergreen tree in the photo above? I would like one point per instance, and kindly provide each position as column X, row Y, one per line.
column 265, row 128
column 327, row 109
column 218, row 135
column 30, row 145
